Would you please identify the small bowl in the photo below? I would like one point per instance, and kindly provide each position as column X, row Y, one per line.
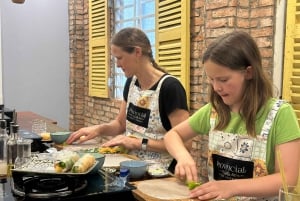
column 137, row 168
column 59, row 137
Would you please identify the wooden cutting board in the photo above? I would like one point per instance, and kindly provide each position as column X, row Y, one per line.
column 161, row 190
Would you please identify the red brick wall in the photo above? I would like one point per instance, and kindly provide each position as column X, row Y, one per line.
column 209, row 19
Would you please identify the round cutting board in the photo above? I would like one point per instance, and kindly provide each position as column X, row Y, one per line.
column 164, row 189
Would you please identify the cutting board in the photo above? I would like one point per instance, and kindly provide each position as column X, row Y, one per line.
column 161, row 190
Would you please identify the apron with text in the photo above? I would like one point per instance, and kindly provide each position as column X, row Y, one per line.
column 233, row 156
column 143, row 119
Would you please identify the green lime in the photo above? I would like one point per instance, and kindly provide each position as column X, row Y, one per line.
column 192, row 184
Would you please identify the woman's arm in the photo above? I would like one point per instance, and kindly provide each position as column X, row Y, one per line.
column 113, row 128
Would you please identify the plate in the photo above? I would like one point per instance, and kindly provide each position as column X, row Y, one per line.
column 44, row 164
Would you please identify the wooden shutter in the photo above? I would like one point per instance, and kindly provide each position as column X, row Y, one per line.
column 291, row 71
column 98, row 48
column 173, row 38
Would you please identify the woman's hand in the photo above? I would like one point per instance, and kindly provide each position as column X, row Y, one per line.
column 84, row 134
column 125, row 141
column 213, row 190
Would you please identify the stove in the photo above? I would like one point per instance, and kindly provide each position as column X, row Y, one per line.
column 25, row 187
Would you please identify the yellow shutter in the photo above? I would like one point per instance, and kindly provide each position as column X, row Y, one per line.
column 291, row 75
column 98, row 48
column 173, row 38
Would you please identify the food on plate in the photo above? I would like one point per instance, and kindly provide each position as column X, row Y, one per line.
column 192, row 184
column 65, row 161
column 46, row 136
column 112, row 150
column 84, row 163
column 157, row 170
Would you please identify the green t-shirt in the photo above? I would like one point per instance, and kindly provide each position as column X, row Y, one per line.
column 284, row 128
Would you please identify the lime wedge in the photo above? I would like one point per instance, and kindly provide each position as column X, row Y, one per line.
column 192, row 184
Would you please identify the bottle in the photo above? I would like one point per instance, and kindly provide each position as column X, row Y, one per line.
column 19, row 160
column 3, row 149
column 12, row 147
column 124, row 173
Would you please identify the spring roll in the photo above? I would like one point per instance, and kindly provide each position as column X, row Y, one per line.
column 66, row 162
column 84, row 163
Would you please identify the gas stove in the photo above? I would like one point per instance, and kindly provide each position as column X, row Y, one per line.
column 25, row 187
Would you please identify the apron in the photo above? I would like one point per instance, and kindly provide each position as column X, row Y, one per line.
column 143, row 119
column 234, row 156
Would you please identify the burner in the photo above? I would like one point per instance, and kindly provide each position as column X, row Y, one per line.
column 48, row 187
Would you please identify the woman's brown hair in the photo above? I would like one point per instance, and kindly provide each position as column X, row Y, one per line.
column 129, row 38
column 237, row 50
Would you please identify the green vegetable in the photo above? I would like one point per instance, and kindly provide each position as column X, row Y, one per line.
column 192, row 184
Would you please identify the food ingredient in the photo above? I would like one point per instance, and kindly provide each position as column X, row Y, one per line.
column 112, row 150
column 45, row 136
column 84, row 163
column 65, row 161
column 192, row 184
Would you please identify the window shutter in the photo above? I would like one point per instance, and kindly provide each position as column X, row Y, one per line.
column 98, row 48
column 173, row 38
column 291, row 75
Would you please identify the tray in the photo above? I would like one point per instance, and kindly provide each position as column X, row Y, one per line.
column 44, row 164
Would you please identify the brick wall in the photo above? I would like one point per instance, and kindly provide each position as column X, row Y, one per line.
column 209, row 19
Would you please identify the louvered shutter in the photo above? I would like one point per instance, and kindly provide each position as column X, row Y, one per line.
column 173, row 38
column 98, row 48
column 291, row 76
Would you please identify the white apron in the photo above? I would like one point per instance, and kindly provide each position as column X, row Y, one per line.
column 233, row 156
column 143, row 119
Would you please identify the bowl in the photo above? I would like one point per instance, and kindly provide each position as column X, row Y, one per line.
column 137, row 168
column 59, row 137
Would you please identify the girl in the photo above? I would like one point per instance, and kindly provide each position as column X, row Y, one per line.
column 245, row 124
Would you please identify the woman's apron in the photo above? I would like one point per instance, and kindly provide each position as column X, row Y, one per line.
column 234, row 156
column 143, row 119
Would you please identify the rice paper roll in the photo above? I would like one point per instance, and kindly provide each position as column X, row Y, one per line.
column 84, row 163
column 65, row 162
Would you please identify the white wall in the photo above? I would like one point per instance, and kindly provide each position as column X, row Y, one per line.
column 35, row 57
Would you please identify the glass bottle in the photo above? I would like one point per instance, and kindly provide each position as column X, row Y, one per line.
column 3, row 156
column 3, row 149
column 12, row 147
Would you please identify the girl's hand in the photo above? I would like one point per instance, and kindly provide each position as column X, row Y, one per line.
column 186, row 169
column 213, row 190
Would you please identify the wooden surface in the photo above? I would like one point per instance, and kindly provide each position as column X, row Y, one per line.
column 25, row 119
column 140, row 196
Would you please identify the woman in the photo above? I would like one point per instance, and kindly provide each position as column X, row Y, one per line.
column 245, row 124
column 153, row 103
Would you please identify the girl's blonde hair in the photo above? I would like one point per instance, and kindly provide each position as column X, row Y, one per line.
column 237, row 50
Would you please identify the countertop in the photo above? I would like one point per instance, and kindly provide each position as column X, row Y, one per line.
column 25, row 119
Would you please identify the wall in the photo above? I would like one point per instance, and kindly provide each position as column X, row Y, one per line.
column 35, row 52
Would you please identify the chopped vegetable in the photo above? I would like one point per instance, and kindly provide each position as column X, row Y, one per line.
column 192, row 184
